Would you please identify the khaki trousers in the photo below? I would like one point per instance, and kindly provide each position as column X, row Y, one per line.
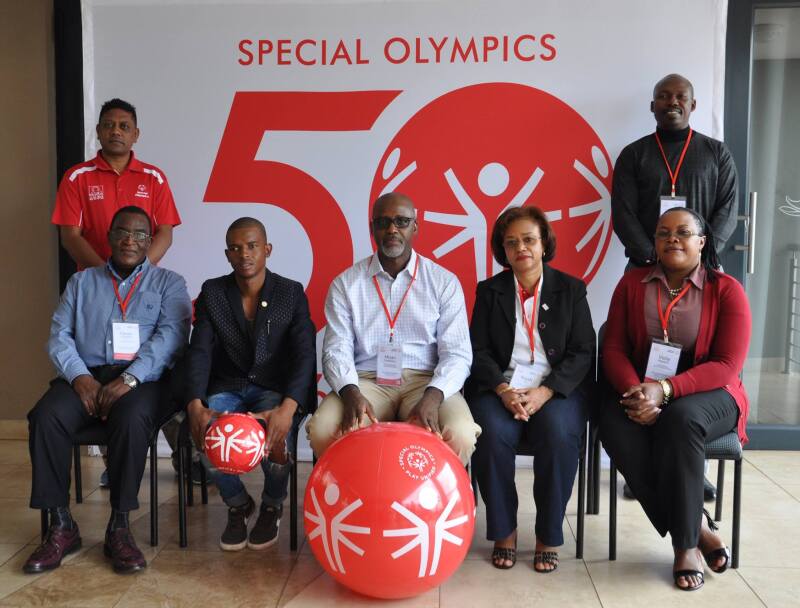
column 395, row 403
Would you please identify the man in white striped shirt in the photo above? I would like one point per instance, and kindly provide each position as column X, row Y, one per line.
column 397, row 342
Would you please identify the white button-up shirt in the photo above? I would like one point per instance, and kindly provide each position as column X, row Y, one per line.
column 432, row 326
column 522, row 347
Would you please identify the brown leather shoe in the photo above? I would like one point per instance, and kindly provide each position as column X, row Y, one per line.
column 122, row 550
column 58, row 544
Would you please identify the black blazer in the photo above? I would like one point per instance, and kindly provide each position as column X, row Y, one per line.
column 280, row 357
column 565, row 327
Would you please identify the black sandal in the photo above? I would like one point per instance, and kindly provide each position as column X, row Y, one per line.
column 501, row 554
column 681, row 573
column 713, row 555
column 549, row 558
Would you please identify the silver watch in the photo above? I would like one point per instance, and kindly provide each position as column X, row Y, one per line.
column 129, row 380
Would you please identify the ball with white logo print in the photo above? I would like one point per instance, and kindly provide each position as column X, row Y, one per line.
column 235, row 443
column 389, row 511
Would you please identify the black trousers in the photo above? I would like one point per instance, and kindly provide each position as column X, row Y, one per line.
column 554, row 433
column 664, row 463
column 59, row 415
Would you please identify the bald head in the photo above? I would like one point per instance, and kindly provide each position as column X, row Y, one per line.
column 391, row 199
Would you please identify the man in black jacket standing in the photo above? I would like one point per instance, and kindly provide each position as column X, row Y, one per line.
column 252, row 350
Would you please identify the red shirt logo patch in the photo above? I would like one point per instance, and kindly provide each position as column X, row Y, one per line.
column 141, row 191
column 95, row 193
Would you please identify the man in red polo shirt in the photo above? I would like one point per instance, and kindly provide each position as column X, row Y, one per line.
column 91, row 192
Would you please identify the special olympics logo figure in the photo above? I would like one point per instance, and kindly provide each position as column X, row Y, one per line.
column 420, row 531
column 601, row 206
column 417, row 462
column 225, row 440
column 337, row 528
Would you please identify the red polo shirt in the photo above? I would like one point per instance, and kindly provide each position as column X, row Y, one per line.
column 91, row 192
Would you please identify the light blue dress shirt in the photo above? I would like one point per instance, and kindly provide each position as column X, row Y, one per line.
column 81, row 330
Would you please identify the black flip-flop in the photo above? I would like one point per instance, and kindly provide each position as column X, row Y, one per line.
column 685, row 573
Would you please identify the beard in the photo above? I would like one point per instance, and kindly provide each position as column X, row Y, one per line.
column 393, row 249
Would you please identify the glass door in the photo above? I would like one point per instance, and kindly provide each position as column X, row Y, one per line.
column 770, row 234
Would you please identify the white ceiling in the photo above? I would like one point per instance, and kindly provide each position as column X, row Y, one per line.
column 777, row 33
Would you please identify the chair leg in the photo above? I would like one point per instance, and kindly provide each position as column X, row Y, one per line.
column 737, row 510
column 581, row 498
column 203, row 483
column 587, row 452
column 153, row 493
column 182, row 497
column 595, row 443
column 612, row 514
column 76, row 460
column 45, row 522
column 187, row 478
column 293, row 502
column 720, row 489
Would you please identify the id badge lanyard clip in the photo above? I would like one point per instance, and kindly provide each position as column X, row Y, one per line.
column 529, row 325
column 673, row 176
column 393, row 319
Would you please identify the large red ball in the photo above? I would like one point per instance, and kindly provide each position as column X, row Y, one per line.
column 235, row 443
column 389, row 511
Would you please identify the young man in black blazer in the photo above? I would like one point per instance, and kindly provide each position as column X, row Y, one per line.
column 252, row 350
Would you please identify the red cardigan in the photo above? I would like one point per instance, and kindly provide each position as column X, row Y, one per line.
column 722, row 340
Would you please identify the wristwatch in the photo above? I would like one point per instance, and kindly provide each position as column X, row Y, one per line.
column 129, row 380
column 667, row 388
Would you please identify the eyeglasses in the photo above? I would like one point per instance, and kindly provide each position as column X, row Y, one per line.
column 382, row 223
column 663, row 235
column 120, row 234
column 528, row 241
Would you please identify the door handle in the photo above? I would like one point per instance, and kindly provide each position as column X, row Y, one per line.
column 750, row 226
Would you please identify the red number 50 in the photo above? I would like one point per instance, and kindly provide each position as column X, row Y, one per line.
column 238, row 177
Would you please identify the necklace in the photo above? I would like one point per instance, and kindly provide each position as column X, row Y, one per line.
column 673, row 293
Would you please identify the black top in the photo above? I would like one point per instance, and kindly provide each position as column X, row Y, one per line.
column 707, row 179
column 280, row 356
column 565, row 328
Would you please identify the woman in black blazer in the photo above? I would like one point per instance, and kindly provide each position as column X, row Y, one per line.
column 529, row 376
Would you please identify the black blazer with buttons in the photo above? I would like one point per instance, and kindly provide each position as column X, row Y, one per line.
column 280, row 355
column 565, row 328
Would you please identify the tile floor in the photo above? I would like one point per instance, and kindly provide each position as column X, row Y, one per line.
column 201, row 575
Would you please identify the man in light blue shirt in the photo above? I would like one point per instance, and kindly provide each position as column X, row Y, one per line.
column 116, row 330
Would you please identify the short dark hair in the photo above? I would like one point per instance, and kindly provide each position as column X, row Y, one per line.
column 246, row 222
column 132, row 209
column 513, row 214
column 708, row 255
column 117, row 104
column 673, row 77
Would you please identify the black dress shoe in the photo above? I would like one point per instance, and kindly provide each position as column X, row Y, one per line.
column 626, row 492
column 709, row 491
column 58, row 544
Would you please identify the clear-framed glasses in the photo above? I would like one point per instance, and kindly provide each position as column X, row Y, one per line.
column 120, row 234
column 683, row 234
column 528, row 241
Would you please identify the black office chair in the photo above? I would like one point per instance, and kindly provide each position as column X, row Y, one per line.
column 726, row 447
column 525, row 449
column 186, row 489
column 95, row 434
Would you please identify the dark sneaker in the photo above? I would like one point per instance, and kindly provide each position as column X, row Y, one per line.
column 121, row 549
column 234, row 538
column 58, row 544
column 265, row 532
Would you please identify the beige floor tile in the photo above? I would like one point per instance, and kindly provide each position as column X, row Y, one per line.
column 305, row 571
column 84, row 582
column 18, row 522
column 793, row 489
column 14, row 452
column 9, row 550
column 325, row 592
column 624, row 584
column 637, row 540
column 480, row 584
column 777, row 587
column 11, row 576
column 189, row 578
column 780, row 467
column 15, row 481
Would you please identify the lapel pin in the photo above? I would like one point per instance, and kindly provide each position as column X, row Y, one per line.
column 263, row 303
column 545, row 306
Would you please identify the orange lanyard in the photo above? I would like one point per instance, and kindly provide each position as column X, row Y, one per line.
column 674, row 176
column 123, row 304
column 528, row 325
column 664, row 315
column 393, row 319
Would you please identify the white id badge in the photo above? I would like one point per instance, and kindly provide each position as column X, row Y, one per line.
column 670, row 202
column 126, row 340
column 390, row 364
column 525, row 376
column 663, row 360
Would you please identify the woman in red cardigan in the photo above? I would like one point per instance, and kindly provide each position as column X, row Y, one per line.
column 676, row 339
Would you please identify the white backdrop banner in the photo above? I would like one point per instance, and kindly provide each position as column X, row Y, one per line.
column 302, row 113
